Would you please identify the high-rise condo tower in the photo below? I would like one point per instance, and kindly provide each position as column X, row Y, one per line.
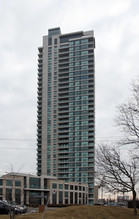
column 66, row 107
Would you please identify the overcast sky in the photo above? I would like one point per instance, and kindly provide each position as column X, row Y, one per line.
column 22, row 25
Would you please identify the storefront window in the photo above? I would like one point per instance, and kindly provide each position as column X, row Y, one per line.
column 60, row 197
column 34, row 183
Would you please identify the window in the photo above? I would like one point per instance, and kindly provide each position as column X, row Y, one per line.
column 34, row 183
column 66, row 194
column 76, row 198
column 0, row 191
column 84, row 41
column 66, row 186
column 60, row 197
column 71, row 187
column 45, row 183
column 84, row 47
column 84, row 67
column 60, row 186
column 70, row 43
column 71, row 197
column 84, row 53
column 9, row 194
column 9, row 182
column 17, row 183
column 55, row 41
column 71, row 54
column 1, row 182
column 77, row 53
column 77, row 42
column 18, row 196
column 54, row 186
column 54, row 198
column 71, row 49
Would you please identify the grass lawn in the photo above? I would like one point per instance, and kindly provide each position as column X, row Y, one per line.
column 82, row 212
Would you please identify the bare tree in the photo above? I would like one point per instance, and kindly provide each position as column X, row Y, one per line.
column 118, row 174
column 128, row 117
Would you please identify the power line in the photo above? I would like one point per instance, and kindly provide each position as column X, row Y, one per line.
column 98, row 139
column 32, row 139
column 11, row 148
column 6, row 172
column 17, row 139
column 114, row 136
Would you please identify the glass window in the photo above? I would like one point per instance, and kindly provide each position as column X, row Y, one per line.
column 1, row 182
column 77, row 63
column 0, row 191
column 18, row 196
column 66, row 194
column 71, row 187
column 77, row 48
column 77, row 42
column 9, row 182
column 32, row 198
column 54, row 186
column 84, row 41
column 77, row 53
column 9, row 194
column 45, row 183
column 55, row 41
column 71, row 54
column 66, row 186
column 49, row 69
column 71, row 64
column 76, row 198
column 17, row 183
column 84, row 67
column 71, row 197
column 71, row 60
column 71, row 49
column 84, row 47
column 70, row 43
column 34, row 183
column 60, row 197
column 84, row 53
column 54, row 198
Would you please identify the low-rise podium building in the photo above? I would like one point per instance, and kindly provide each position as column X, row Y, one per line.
column 35, row 190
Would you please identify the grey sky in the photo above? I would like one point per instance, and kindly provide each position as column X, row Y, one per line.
column 23, row 23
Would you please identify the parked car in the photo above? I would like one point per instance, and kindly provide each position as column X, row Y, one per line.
column 23, row 208
column 8, row 206
column 4, row 208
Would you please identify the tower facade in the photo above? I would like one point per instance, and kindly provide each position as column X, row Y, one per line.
column 66, row 107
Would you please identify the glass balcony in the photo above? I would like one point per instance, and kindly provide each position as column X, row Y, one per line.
column 63, row 57
column 63, row 146
column 39, row 100
column 63, row 131
column 64, row 61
